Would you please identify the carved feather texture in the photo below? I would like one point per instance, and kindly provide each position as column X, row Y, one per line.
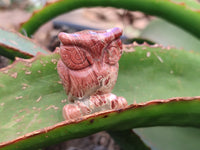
column 88, row 69
column 89, row 61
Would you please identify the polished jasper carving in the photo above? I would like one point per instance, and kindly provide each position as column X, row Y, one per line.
column 88, row 69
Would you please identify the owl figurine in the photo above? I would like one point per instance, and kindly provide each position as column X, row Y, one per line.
column 88, row 69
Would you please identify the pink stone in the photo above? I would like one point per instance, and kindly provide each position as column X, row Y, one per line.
column 88, row 69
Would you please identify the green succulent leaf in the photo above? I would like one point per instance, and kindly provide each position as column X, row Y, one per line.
column 129, row 140
column 176, row 13
column 180, row 138
column 32, row 97
column 13, row 44
column 164, row 33
column 192, row 4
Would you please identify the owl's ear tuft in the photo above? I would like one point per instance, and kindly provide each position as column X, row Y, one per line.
column 116, row 32
column 112, row 34
column 64, row 38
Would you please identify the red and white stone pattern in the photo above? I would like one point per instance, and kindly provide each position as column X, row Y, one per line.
column 88, row 69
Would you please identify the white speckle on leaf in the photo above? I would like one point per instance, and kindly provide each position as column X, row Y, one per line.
column 39, row 99
column 28, row 72
column 14, row 75
column 159, row 58
column 2, row 104
column 128, row 48
column 19, row 97
column 26, row 110
column 63, row 101
column 59, row 82
column 41, row 62
column 28, row 64
column 39, row 71
column 19, row 119
column 24, row 86
column 54, row 61
column 171, row 71
column 52, row 106
column 6, row 71
column 148, row 54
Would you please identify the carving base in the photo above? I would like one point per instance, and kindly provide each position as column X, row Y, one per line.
column 94, row 104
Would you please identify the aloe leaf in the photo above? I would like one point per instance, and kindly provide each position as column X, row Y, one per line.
column 159, row 138
column 168, row 36
column 176, row 13
column 180, row 138
column 192, row 4
column 129, row 140
column 114, row 121
column 13, row 44
column 37, row 97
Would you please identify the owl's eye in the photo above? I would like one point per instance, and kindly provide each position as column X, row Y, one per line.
column 75, row 58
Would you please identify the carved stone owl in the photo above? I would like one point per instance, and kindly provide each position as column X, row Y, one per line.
column 88, row 69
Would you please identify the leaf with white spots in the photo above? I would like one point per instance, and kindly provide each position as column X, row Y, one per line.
column 13, row 44
column 31, row 104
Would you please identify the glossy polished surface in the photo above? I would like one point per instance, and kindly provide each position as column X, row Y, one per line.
column 88, row 69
